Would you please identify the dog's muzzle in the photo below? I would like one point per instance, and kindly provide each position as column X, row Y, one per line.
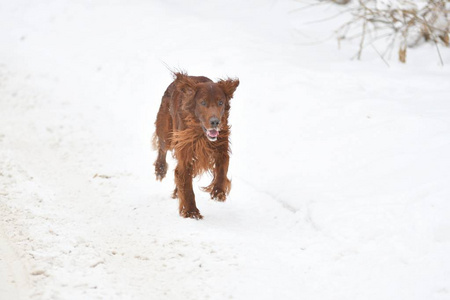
column 212, row 133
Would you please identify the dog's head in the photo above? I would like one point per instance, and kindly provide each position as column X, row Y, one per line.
column 208, row 101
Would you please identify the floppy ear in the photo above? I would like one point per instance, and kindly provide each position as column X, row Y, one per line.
column 186, row 85
column 228, row 86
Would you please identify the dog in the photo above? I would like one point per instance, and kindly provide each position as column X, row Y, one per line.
column 192, row 122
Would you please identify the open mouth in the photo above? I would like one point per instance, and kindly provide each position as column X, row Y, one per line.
column 211, row 134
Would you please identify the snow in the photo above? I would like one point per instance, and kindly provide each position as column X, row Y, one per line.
column 340, row 168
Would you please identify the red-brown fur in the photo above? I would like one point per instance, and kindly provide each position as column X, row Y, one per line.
column 190, row 106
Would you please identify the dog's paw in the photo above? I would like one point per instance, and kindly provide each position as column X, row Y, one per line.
column 191, row 214
column 175, row 193
column 160, row 170
column 218, row 194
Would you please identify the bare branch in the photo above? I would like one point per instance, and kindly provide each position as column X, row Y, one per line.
column 405, row 24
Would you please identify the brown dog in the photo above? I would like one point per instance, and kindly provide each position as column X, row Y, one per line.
column 192, row 122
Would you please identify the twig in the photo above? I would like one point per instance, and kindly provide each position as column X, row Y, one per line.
column 328, row 18
column 309, row 5
column 361, row 44
column 381, row 56
column 437, row 48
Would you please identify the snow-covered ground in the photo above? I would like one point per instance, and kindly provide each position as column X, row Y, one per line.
column 340, row 168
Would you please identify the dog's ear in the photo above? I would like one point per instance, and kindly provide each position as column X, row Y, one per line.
column 228, row 86
column 187, row 87
column 185, row 84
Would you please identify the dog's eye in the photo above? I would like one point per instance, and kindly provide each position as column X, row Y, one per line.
column 203, row 103
column 220, row 103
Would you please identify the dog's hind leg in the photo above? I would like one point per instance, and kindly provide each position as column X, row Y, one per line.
column 161, row 165
column 175, row 193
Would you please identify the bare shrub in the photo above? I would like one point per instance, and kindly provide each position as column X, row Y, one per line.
column 402, row 23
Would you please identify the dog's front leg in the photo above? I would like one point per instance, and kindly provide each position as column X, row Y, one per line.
column 183, row 181
column 220, row 186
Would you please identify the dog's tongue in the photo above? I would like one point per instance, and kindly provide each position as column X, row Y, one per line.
column 213, row 133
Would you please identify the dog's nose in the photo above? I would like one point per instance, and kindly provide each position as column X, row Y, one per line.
column 214, row 122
